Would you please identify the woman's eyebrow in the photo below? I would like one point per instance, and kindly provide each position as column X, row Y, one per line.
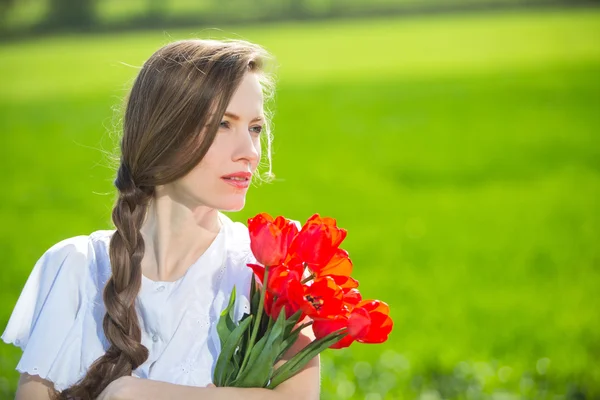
column 232, row 116
column 237, row 117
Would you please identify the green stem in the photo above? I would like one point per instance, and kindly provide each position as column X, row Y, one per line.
column 256, row 326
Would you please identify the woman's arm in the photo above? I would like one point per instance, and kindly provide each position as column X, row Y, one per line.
column 306, row 384
column 33, row 387
column 303, row 386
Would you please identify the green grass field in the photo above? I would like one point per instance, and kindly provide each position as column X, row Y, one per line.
column 462, row 153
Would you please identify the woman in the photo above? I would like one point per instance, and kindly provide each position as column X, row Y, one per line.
column 131, row 313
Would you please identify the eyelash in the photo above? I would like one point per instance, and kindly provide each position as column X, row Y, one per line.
column 255, row 129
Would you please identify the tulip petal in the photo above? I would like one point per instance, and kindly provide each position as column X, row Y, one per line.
column 352, row 297
column 378, row 333
column 259, row 271
column 359, row 323
column 345, row 282
column 340, row 265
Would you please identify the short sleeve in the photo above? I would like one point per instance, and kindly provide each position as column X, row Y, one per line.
column 45, row 322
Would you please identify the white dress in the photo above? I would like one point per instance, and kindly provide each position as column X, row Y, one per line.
column 57, row 320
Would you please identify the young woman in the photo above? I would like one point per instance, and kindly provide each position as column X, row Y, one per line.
column 131, row 313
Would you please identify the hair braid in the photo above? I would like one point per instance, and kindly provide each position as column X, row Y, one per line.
column 120, row 324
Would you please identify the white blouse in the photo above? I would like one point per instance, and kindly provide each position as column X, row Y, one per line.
column 57, row 320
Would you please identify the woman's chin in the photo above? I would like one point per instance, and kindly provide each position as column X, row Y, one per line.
column 233, row 206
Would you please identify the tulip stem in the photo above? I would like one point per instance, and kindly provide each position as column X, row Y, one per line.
column 307, row 279
column 259, row 313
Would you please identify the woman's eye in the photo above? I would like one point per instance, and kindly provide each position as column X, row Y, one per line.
column 256, row 129
column 224, row 124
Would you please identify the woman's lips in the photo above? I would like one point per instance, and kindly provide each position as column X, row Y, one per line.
column 240, row 180
column 237, row 183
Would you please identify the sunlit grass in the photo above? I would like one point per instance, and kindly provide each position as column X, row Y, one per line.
column 461, row 153
column 320, row 51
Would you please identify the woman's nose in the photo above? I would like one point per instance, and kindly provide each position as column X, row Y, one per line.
column 247, row 149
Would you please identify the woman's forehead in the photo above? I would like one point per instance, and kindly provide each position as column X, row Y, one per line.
column 247, row 101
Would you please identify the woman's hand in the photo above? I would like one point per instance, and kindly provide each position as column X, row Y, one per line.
column 122, row 388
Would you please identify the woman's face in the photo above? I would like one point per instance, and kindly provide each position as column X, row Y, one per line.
column 222, row 178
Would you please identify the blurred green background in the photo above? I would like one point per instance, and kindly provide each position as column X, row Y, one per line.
column 460, row 150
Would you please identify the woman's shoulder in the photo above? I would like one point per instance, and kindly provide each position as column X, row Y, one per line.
column 70, row 246
column 73, row 267
column 75, row 255
column 79, row 244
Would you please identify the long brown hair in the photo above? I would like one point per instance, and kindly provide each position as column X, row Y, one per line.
column 172, row 115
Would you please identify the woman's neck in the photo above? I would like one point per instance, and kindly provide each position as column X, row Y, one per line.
column 175, row 236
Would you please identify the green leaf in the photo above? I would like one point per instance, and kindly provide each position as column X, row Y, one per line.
column 296, row 363
column 223, row 365
column 261, row 363
column 291, row 322
column 236, row 361
column 230, row 373
column 226, row 324
column 256, row 350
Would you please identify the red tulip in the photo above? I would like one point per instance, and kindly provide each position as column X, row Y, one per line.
column 317, row 242
column 332, row 299
column 381, row 323
column 270, row 238
column 368, row 322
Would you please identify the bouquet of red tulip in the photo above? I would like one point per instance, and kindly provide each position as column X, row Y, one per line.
column 302, row 275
